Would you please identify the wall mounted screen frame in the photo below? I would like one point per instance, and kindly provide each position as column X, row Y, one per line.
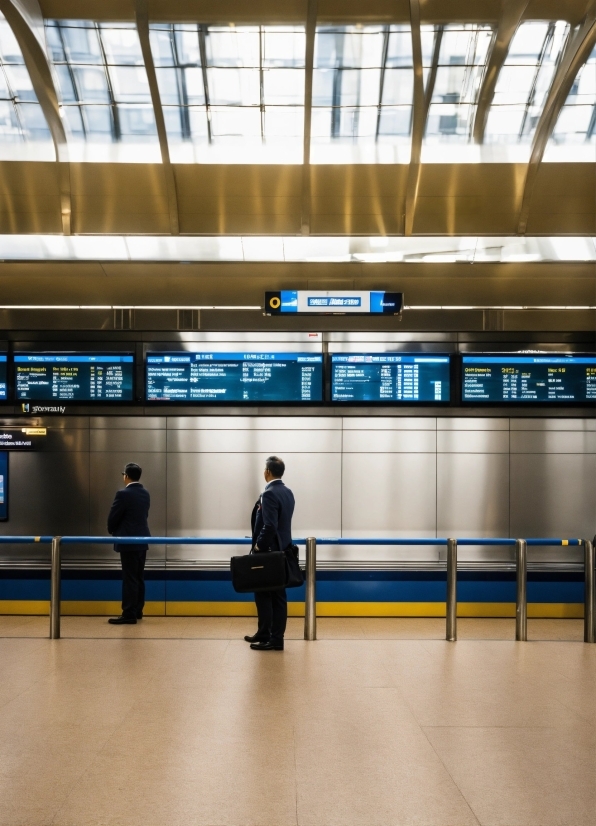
column 3, row 377
column 390, row 378
column 541, row 378
column 3, row 485
column 234, row 377
column 82, row 377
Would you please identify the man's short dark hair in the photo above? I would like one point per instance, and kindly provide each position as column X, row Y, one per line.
column 133, row 471
column 275, row 466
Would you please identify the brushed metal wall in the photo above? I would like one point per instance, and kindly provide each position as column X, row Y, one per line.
column 352, row 477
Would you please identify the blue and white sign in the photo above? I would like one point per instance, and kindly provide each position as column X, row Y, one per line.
column 336, row 302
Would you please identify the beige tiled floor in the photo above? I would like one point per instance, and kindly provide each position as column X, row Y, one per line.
column 175, row 722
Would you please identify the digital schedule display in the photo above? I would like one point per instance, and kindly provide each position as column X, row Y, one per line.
column 3, row 486
column 389, row 377
column 80, row 377
column 507, row 378
column 3, row 378
column 235, row 377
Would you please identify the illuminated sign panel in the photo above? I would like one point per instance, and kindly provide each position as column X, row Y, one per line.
column 333, row 302
column 79, row 377
column 3, row 378
column 389, row 377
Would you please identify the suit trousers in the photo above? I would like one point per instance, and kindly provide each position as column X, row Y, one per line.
column 272, row 610
column 133, row 582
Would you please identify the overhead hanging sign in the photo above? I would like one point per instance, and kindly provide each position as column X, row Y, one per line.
column 22, row 438
column 333, row 302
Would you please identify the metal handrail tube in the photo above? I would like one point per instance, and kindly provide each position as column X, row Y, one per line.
column 521, row 596
column 25, row 540
column 310, row 601
column 383, row 541
column 451, row 604
column 160, row 540
column 589, row 630
column 552, row 542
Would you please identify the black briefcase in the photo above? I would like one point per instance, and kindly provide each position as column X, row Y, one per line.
column 259, row 572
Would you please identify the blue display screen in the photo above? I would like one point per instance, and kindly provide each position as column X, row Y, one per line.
column 81, row 377
column 3, row 485
column 3, row 378
column 509, row 378
column 389, row 377
column 235, row 377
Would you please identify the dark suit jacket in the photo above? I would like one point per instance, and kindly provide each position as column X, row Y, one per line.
column 272, row 515
column 128, row 515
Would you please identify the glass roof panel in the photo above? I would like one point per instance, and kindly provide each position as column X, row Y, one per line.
column 362, row 94
column 524, row 81
column 230, row 93
column 103, row 89
column 24, row 133
column 574, row 135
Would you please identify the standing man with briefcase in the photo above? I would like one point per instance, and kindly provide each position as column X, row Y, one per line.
column 271, row 523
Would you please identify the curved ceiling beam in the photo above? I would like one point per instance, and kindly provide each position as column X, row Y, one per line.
column 578, row 50
column 309, row 61
column 26, row 21
column 142, row 19
column 511, row 15
column 418, row 120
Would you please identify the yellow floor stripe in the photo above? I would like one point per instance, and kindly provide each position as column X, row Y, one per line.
column 536, row 610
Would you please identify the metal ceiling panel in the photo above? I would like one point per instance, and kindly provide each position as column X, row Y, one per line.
column 29, row 197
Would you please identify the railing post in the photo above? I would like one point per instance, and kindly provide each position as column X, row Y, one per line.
column 521, row 596
column 55, row 577
column 310, row 602
column 589, row 631
column 451, row 612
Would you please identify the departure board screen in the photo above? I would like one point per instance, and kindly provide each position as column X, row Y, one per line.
column 504, row 378
column 3, row 378
column 81, row 377
column 389, row 377
column 235, row 377
column 3, row 486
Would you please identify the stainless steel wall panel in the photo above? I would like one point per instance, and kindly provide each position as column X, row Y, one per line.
column 553, row 441
column 472, row 494
column 105, row 480
column 128, row 441
column 473, row 441
column 212, row 494
column 553, row 424
column 393, row 494
column 475, row 423
column 390, row 423
column 224, row 422
column 553, row 495
column 127, row 422
column 65, row 441
column 264, row 443
column 390, row 441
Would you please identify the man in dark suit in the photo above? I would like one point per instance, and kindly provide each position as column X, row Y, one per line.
column 271, row 523
column 128, row 517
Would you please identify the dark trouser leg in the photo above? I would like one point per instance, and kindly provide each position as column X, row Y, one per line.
column 279, row 602
column 133, row 583
column 264, row 613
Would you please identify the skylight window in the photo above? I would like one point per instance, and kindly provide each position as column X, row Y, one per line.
column 103, row 88
column 231, row 94
column 574, row 135
column 524, row 82
column 24, row 132
column 362, row 94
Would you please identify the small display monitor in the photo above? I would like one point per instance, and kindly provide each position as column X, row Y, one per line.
column 77, row 377
column 234, row 377
column 529, row 378
column 389, row 377
column 3, row 377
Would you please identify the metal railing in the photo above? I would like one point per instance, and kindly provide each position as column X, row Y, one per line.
column 310, row 618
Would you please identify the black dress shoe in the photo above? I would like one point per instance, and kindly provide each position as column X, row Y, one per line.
column 267, row 646
column 139, row 616
column 122, row 621
column 254, row 638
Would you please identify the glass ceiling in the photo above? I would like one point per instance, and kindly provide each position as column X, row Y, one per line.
column 102, row 88
column 363, row 84
column 235, row 94
column 23, row 129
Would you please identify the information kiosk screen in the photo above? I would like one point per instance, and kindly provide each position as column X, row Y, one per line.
column 506, row 378
column 235, row 377
column 389, row 377
column 3, row 378
column 79, row 377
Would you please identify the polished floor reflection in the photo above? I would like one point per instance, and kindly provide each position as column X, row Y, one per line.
column 176, row 722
